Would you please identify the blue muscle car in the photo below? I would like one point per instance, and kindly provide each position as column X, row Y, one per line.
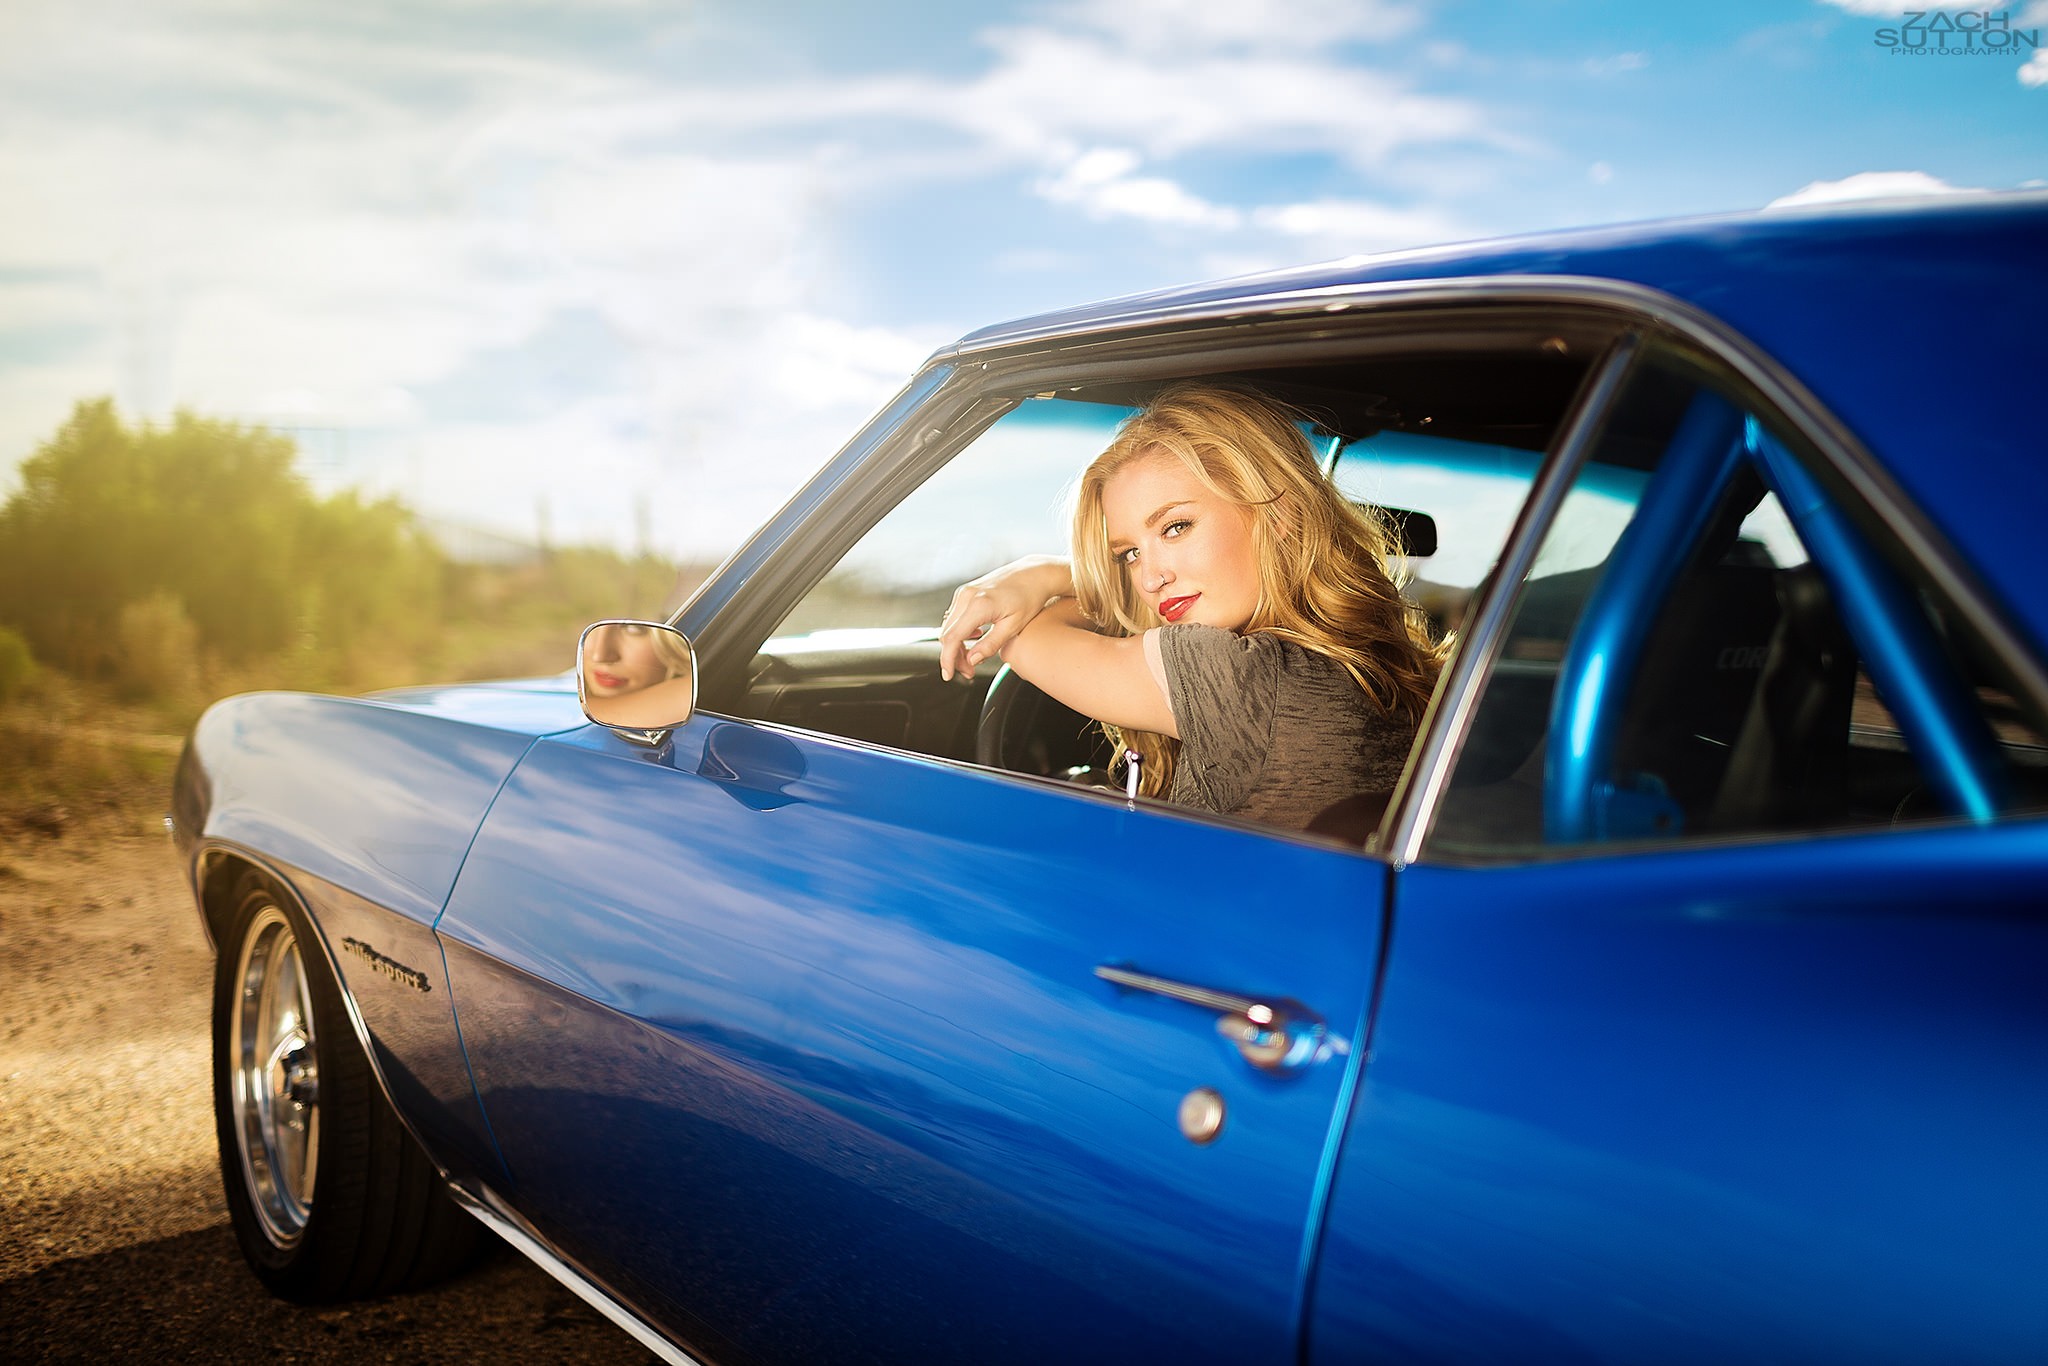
column 1687, row 999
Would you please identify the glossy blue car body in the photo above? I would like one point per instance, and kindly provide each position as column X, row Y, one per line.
column 784, row 1046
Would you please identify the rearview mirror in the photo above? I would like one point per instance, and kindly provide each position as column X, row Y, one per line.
column 636, row 675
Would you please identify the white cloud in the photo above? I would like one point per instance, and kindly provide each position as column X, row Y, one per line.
column 336, row 222
column 1165, row 26
column 1027, row 103
column 1344, row 227
column 1600, row 173
column 331, row 273
column 713, row 454
column 1101, row 183
column 2035, row 72
column 1870, row 185
column 829, row 365
column 1054, row 90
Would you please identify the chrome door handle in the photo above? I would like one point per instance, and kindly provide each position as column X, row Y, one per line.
column 1273, row 1036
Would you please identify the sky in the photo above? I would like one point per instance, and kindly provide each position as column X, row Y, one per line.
column 627, row 271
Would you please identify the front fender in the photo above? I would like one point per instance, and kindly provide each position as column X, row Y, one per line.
column 379, row 799
column 363, row 811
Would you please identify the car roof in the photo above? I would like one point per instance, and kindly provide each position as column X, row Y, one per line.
column 1917, row 323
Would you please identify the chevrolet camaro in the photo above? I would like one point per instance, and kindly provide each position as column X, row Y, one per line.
column 1685, row 1000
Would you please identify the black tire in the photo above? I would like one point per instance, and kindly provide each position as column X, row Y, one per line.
column 330, row 1197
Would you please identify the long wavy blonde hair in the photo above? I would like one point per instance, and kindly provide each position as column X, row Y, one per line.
column 1323, row 577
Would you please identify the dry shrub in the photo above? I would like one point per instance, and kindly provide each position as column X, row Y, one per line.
column 70, row 753
column 17, row 663
column 159, row 649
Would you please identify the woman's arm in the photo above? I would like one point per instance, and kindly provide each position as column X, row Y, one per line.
column 1002, row 600
column 1117, row 679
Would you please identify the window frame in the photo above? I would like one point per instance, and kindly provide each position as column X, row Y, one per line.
column 962, row 389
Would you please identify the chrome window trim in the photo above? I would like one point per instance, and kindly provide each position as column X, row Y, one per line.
column 494, row 1214
column 1333, row 300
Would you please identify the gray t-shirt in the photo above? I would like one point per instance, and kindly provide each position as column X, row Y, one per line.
column 1270, row 730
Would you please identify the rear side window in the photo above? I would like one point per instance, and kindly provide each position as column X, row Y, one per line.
column 1466, row 493
column 1709, row 645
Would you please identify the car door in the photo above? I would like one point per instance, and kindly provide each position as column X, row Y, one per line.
column 1714, row 1017
column 816, row 1047
column 799, row 1047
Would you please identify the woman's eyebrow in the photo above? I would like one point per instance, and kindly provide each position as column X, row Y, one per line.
column 1165, row 508
column 1124, row 543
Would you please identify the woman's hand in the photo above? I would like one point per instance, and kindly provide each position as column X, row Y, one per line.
column 987, row 613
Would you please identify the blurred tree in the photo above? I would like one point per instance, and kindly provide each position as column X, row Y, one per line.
column 209, row 521
column 180, row 561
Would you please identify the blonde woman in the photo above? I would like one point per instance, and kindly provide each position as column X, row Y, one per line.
column 1226, row 614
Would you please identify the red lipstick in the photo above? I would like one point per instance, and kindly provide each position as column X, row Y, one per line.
column 1173, row 609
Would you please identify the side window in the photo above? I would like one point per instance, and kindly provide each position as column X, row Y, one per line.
column 857, row 656
column 1680, row 662
column 1443, row 447
column 1469, row 493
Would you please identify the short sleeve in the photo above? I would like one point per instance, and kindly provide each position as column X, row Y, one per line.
column 1222, row 688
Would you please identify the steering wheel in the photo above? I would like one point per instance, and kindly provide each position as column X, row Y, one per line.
column 1025, row 731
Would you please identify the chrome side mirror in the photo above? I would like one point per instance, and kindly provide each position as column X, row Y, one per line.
column 636, row 676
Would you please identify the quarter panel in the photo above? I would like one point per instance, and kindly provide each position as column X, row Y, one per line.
column 1700, row 1105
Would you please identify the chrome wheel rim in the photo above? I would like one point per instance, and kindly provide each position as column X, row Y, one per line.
column 276, row 1077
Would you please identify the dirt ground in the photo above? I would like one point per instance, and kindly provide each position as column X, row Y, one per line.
column 114, row 1242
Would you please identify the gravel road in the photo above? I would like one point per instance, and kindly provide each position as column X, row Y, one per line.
column 114, row 1242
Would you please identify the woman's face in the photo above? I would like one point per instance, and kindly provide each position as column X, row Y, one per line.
column 620, row 659
column 1187, row 551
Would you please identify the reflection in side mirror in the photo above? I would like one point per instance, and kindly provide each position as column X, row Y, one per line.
column 636, row 675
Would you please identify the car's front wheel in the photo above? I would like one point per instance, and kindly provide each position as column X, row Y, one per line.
column 329, row 1195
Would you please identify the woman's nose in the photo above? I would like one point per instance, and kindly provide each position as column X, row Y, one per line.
column 1156, row 577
